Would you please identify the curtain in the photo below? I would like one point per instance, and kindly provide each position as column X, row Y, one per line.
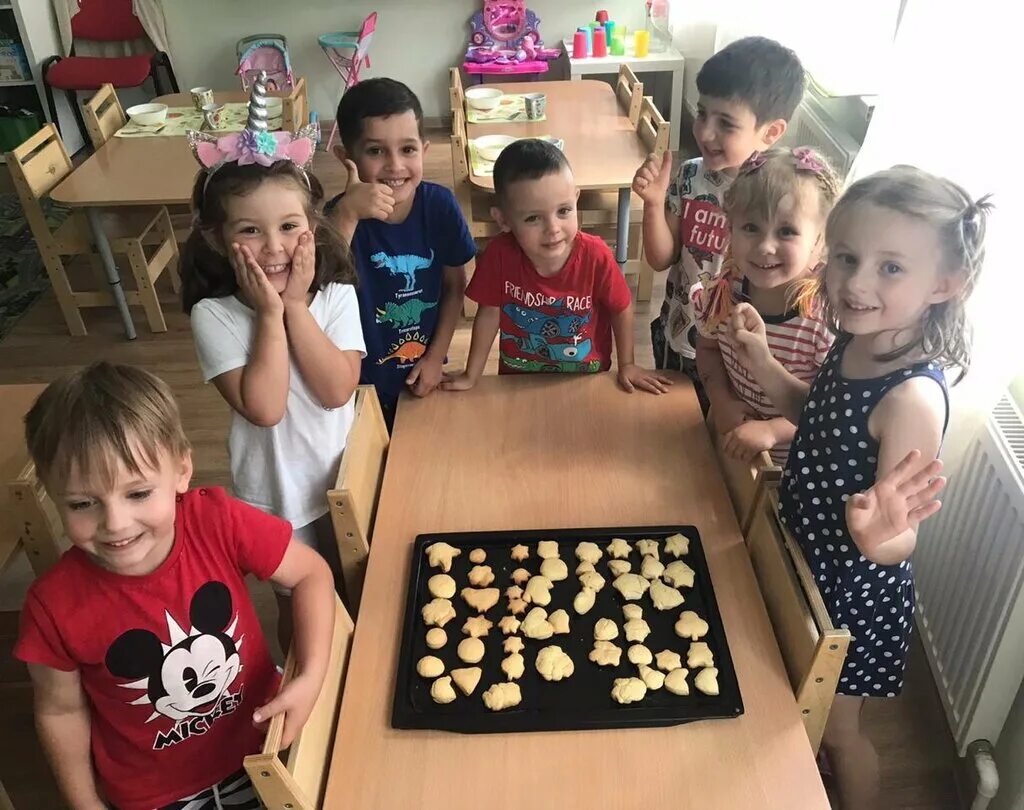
column 150, row 14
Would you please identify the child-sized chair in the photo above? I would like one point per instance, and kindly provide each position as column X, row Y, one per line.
column 353, row 501
column 298, row 782
column 349, row 52
column 36, row 167
column 36, row 524
column 812, row 649
column 629, row 91
column 103, row 115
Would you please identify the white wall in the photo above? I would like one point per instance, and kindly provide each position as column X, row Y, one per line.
column 416, row 40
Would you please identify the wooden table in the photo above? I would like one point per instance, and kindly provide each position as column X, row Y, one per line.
column 549, row 451
column 15, row 401
column 602, row 146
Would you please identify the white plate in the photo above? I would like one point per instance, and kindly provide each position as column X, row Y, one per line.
column 490, row 146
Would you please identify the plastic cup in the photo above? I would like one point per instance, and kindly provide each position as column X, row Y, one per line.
column 618, row 47
column 609, row 31
column 536, row 103
column 641, row 43
column 579, row 45
column 600, row 47
column 602, row 16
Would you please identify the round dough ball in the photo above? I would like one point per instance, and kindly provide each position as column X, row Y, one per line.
column 554, row 569
column 441, row 690
column 471, row 650
column 521, row 576
column 477, row 556
column 605, row 630
column 442, row 586
column 436, row 638
column 639, row 654
column 429, row 666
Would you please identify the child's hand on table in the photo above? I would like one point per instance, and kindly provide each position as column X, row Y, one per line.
column 748, row 439
column 296, row 700
column 425, row 376
column 633, row 376
column 366, row 200
column 461, row 381
column 651, row 181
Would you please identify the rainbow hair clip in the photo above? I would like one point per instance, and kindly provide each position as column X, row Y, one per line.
column 254, row 144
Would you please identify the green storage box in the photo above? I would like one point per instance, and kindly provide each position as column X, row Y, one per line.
column 16, row 127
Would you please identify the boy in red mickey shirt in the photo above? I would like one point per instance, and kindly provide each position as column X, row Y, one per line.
column 555, row 294
column 149, row 669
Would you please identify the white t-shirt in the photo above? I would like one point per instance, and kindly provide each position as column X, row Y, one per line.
column 285, row 469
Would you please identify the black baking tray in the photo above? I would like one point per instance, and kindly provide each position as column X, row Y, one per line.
column 582, row 701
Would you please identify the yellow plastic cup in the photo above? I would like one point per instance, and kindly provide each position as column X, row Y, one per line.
column 641, row 43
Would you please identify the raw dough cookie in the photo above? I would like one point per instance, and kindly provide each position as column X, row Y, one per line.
column 436, row 638
column 554, row 569
column 651, row 677
column 521, row 576
column 537, row 590
column 429, row 666
column 509, row 625
column 480, row 576
column 628, row 690
column 440, row 555
column 632, row 612
column 588, row 552
column 517, row 606
column 706, row 681
column 438, row 612
column 583, row 567
column 639, row 654
column 605, row 654
column 631, row 586
column 605, row 630
column 514, row 592
column 592, row 580
column 441, row 690
column 691, row 626
column 584, row 601
column 467, row 679
column 471, row 650
column 675, row 682
column 520, row 552
column 477, row 556
column 679, row 574
column 636, row 630
column 618, row 548
column 559, row 621
column 477, row 626
column 536, row 624
column 677, row 545
column 513, row 644
column 546, row 549
column 480, row 599
column 668, row 660
column 553, row 664
column 648, row 548
column 699, row 655
column 619, row 567
column 665, row 597
column 502, row 696
column 441, row 586
column 513, row 666
column 650, row 568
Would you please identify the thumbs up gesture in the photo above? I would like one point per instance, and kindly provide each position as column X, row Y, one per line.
column 650, row 183
column 366, row 200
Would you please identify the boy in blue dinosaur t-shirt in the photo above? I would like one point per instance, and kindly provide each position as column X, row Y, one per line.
column 409, row 240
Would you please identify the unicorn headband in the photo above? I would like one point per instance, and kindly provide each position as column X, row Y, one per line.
column 254, row 144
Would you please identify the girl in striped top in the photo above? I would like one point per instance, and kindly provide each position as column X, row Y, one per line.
column 777, row 208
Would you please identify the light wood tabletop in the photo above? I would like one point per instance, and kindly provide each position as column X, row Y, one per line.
column 550, row 451
column 601, row 144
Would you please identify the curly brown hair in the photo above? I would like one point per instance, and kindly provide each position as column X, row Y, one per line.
column 205, row 269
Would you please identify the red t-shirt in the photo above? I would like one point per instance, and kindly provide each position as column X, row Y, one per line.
column 173, row 663
column 562, row 323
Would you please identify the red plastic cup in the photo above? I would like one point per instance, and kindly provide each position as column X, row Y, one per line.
column 600, row 46
column 602, row 16
column 579, row 45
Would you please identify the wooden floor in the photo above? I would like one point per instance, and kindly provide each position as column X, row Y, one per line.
column 916, row 751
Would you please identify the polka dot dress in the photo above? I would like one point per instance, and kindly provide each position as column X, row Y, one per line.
column 832, row 457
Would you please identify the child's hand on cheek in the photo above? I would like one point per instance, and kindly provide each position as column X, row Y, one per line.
column 253, row 283
column 303, row 269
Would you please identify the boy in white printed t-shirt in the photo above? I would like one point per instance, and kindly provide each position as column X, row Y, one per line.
column 748, row 92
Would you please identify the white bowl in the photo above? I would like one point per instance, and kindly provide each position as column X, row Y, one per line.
column 146, row 115
column 483, row 98
column 490, row 146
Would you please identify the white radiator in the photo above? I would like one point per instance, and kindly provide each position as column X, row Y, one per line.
column 969, row 567
column 813, row 127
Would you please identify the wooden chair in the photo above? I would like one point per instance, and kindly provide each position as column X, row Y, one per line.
column 456, row 94
column 744, row 481
column 812, row 649
column 630, row 92
column 295, row 106
column 353, row 501
column 103, row 116
column 297, row 781
column 36, row 524
column 36, row 167
column 652, row 127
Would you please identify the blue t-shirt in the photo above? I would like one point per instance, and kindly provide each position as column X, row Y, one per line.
column 400, row 269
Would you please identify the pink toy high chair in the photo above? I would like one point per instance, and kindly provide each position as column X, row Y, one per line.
column 348, row 52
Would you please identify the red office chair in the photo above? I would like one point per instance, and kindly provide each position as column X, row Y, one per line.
column 104, row 21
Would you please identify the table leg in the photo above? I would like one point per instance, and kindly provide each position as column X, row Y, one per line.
column 622, row 229
column 113, row 278
column 676, row 112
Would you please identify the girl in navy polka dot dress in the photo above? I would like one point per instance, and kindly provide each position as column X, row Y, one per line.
column 904, row 250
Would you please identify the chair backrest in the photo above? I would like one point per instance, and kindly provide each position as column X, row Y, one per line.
column 295, row 106
column 456, row 93
column 36, row 167
column 106, row 21
column 34, row 517
column 298, row 783
column 353, row 501
column 103, row 115
column 630, row 92
column 812, row 649
column 652, row 127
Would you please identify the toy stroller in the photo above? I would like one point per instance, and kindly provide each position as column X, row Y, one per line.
column 348, row 52
column 267, row 52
